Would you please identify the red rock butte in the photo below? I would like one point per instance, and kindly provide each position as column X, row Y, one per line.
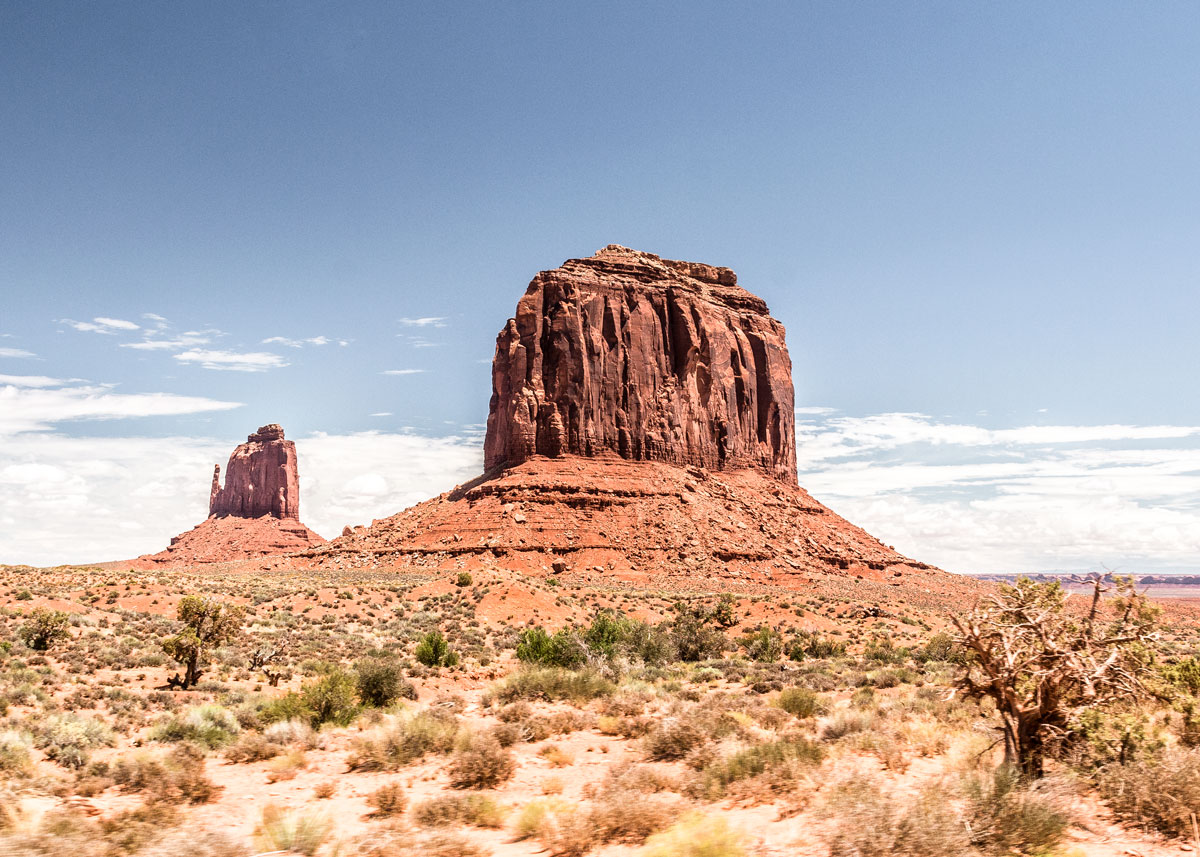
column 653, row 359
column 641, row 429
column 256, row 514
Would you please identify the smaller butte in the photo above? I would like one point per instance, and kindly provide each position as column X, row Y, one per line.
column 256, row 513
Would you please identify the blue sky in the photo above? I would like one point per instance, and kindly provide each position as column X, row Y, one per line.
column 972, row 219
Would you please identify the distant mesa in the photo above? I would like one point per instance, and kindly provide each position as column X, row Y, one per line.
column 256, row 514
column 641, row 428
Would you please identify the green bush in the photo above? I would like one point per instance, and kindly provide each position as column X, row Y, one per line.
column 446, row 810
column 44, row 628
column 464, row 579
column 794, row 753
column 695, row 835
column 552, row 683
column 564, row 649
column 212, row 726
column 692, row 635
column 380, row 683
column 764, row 644
column 807, row 644
column 332, row 699
column 434, row 651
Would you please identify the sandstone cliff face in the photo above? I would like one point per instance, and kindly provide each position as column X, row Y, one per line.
column 260, row 479
column 648, row 358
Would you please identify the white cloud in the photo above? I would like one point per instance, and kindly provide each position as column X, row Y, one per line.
column 101, row 324
column 232, row 361
column 121, row 497
column 1031, row 498
column 427, row 321
column 28, row 406
column 16, row 352
column 403, row 371
column 32, row 381
column 300, row 343
column 116, row 323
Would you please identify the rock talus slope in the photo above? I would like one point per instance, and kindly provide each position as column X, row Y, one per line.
column 641, row 428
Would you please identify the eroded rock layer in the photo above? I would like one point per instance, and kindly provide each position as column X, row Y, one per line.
column 605, row 518
column 260, row 479
column 647, row 358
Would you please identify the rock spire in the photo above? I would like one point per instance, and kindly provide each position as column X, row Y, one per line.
column 260, row 479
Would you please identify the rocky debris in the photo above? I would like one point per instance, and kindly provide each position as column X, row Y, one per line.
column 230, row 538
column 260, row 479
column 637, row 522
column 648, row 358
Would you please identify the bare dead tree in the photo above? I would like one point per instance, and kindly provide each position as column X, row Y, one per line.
column 271, row 659
column 1044, row 665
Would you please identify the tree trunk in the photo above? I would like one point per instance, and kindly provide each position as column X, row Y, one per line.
column 193, row 670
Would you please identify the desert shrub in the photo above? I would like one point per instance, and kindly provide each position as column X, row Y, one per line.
column 291, row 831
column 808, row 644
column 696, row 835
column 785, row 757
column 848, row 722
column 1007, row 815
column 564, row 649
column 14, row 752
column 799, row 702
column 464, row 579
column 445, row 810
column 395, row 842
column 380, row 683
column 692, row 635
column 332, row 699
column 623, row 816
column 940, row 647
column 211, row 725
column 434, row 651
column 44, row 628
column 286, row 765
column 674, row 738
column 536, row 815
column 252, row 747
column 552, row 684
column 404, row 740
column 869, row 822
column 69, row 739
column 480, row 763
column 1158, row 793
column 763, row 644
column 294, row 731
column 388, row 800
column 290, row 706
